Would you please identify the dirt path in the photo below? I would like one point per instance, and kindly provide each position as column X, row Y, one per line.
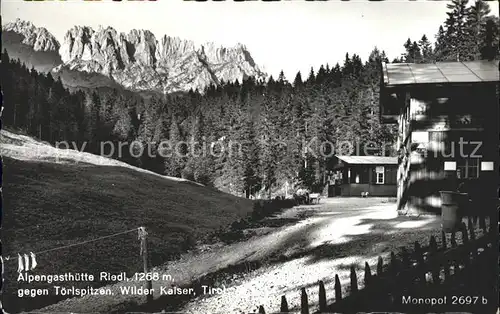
column 324, row 239
column 338, row 233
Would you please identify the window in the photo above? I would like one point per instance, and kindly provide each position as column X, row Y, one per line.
column 468, row 168
column 380, row 178
column 487, row 166
column 450, row 166
column 379, row 171
column 419, row 137
column 417, row 108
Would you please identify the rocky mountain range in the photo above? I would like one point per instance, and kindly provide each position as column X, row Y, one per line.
column 137, row 60
column 35, row 46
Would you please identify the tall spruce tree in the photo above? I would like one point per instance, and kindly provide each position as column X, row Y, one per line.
column 425, row 48
column 476, row 20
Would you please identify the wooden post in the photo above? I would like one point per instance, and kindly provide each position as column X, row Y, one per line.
column 493, row 227
column 471, row 229
column 15, row 115
column 443, row 239
column 471, row 226
column 453, row 240
column 144, row 246
column 433, row 248
column 322, row 297
column 465, row 240
column 433, row 244
column 420, row 260
column 380, row 265
column 465, row 235
column 304, row 304
column 354, row 280
column 406, row 258
column 368, row 274
column 482, row 223
column 338, row 289
column 394, row 263
column 284, row 305
column 446, row 270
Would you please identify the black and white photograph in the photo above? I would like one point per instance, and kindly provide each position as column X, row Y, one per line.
column 234, row 157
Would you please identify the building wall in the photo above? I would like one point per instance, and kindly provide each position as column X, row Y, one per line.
column 362, row 178
column 429, row 124
column 364, row 174
column 355, row 189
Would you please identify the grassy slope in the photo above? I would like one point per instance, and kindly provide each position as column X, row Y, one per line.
column 48, row 205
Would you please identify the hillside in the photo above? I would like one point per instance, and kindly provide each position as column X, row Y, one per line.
column 53, row 198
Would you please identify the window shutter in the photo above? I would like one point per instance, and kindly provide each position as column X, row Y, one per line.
column 374, row 176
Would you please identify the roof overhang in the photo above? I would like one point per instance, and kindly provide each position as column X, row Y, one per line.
column 399, row 78
column 408, row 74
column 367, row 160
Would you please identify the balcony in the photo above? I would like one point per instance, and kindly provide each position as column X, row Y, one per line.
column 464, row 122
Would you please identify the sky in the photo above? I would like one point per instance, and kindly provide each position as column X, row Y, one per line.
column 287, row 35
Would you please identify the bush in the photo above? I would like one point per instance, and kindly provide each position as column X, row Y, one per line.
column 261, row 209
column 266, row 208
column 187, row 174
column 231, row 236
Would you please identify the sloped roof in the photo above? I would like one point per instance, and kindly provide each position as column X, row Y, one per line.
column 371, row 160
column 440, row 72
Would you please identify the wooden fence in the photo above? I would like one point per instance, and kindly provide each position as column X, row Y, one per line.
column 434, row 278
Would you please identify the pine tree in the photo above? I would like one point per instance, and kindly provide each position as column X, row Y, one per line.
column 297, row 82
column 347, row 69
column 456, row 32
column 311, row 78
column 357, row 66
column 321, row 76
column 271, row 82
column 425, row 48
column 336, row 75
column 490, row 39
column 177, row 152
column 93, row 121
column 281, row 78
column 413, row 53
column 441, row 46
column 476, row 26
column 416, row 53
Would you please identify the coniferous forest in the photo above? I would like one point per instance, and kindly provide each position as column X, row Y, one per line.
column 249, row 137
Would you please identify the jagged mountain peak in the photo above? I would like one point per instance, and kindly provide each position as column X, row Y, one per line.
column 19, row 26
column 139, row 61
column 219, row 54
column 141, row 33
column 177, row 41
column 37, row 37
